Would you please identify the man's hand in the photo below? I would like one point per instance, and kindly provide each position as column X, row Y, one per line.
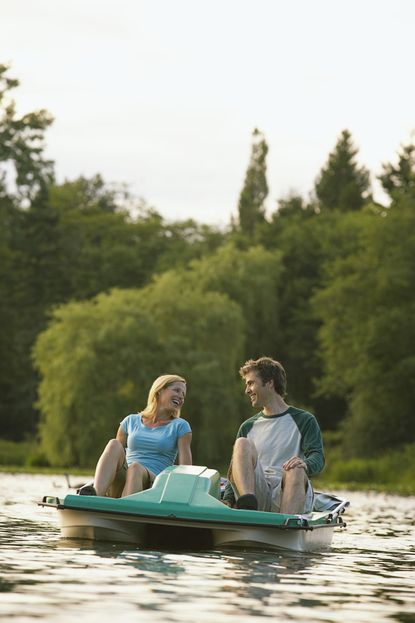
column 294, row 461
column 227, row 503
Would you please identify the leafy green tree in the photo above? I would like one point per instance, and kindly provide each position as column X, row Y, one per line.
column 73, row 242
column 251, row 206
column 187, row 240
column 306, row 242
column 87, row 196
column 304, row 246
column 94, row 360
column 24, row 175
column 367, row 309
column 292, row 205
column 50, row 266
column 98, row 358
column 251, row 278
column 22, row 143
column 8, row 317
column 342, row 184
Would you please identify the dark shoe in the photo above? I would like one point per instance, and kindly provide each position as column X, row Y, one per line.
column 247, row 502
column 87, row 490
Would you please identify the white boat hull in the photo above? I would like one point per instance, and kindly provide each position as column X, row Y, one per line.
column 142, row 532
column 294, row 540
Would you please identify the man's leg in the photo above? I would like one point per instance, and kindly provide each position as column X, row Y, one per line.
column 294, row 487
column 242, row 474
column 244, row 459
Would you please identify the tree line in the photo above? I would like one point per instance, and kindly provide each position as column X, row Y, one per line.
column 100, row 294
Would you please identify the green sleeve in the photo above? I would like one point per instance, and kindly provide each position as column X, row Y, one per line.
column 312, row 445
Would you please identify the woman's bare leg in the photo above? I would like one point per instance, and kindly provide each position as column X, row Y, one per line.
column 137, row 479
column 110, row 461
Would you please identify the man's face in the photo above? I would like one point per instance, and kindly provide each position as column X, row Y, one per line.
column 256, row 390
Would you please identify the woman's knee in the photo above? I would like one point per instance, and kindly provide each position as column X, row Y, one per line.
column 114, row 446
column 114, row 451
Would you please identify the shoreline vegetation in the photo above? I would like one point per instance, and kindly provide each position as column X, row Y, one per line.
column 391, row 473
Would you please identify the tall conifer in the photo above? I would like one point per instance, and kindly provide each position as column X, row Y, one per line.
column 251, row 206
column 342, row 184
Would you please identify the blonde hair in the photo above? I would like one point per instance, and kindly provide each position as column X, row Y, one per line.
column 160, row 383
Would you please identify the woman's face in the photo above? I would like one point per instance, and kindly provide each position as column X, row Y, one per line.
column 172, row 396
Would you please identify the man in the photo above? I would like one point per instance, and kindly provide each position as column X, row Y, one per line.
column 276, row 450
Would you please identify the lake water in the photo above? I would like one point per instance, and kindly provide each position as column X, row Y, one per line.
column 367, row 576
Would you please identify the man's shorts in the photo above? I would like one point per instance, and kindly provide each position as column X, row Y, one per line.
column 268, row 490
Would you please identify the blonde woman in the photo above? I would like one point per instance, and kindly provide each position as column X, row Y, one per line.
column 146, row 443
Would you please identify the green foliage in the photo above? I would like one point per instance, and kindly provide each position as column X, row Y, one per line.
column 400, row 179
column 367, row 309
column 71, row 244
column 185, row 241
column 341, row 184
column 22, row 143
column 251, row 279
column 86, row 196
column 88, row 358
column 393, row 470
column 21, row 454
column 306, row 241
column 16, row 453
column 251, row 208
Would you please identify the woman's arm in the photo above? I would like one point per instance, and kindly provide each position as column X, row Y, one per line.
column 185, row 453
column 122, row 437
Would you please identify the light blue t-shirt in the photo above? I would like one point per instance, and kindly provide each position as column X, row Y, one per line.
column 155, row 448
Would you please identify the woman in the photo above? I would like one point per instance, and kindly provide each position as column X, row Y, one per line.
column 146, row 443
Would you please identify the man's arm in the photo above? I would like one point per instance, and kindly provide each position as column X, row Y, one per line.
column 312, row 446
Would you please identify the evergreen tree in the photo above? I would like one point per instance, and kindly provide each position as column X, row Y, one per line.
column 342, row 184
column 400, row 179
column 254, row 193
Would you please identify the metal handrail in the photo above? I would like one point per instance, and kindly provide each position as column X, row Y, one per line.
column 338, row 510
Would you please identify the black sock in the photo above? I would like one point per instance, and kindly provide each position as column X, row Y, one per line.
column 248, row 502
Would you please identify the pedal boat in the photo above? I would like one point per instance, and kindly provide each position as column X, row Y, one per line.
column 183, row 510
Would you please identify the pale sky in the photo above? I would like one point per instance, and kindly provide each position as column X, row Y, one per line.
column 163, row 95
